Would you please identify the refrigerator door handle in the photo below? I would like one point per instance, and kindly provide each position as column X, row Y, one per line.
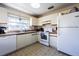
column 77, row 16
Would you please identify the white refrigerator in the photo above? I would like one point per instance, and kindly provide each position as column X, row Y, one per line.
column 68, row 34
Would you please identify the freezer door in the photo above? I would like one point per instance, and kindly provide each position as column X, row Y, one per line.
column 68, row 41
column 69, row 20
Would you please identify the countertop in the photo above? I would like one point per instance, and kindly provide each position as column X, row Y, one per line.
column 17, row 33
column 27, row 32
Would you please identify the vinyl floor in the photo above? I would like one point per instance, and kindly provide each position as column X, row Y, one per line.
column 37, row 49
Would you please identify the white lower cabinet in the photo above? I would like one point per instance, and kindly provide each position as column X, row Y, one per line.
column 20, row 41
column 25, row 39
column 13, row 42
column 7, row 44
column 34, row 37
column 53, row 41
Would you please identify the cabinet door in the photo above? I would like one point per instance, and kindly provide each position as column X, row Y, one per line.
column 34, row 37
column 31, row 38
column 20, row 41
column 25, row 39
column 7, row 44
column 3, row 15
column 53, row 42
column 28, row 39
column 34, row 21
column 38, row 35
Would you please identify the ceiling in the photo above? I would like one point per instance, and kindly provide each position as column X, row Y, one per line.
column 27, row 8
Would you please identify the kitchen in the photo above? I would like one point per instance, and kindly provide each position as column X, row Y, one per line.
column 22, row 28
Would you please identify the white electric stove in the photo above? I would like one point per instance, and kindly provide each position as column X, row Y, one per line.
column 44, row 38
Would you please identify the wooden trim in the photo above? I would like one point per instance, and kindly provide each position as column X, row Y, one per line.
column 54, row 24
column 46, row 24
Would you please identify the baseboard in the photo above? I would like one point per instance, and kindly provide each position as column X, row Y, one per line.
column 64, row 53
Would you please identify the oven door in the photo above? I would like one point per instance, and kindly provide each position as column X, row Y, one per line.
column 44, row 38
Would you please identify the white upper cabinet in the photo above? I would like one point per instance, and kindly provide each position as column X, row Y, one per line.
column 48, row 19
column 69, row 20
column 54, row 18
column 3, row 15
column 33, row 21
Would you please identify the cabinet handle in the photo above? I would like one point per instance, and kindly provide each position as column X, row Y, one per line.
column 3, row 37
column 34, row 34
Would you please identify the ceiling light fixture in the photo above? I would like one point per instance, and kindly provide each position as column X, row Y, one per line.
column 35, row 5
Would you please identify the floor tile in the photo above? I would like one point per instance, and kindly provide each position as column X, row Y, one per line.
column 37, row 49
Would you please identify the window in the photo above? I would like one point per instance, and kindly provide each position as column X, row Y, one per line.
column 18, row 23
